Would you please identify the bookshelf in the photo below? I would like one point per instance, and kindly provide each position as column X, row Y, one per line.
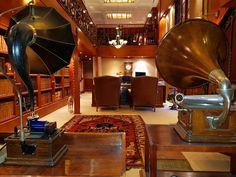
column 50, row 93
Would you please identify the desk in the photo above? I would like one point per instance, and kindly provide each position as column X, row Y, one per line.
column 164, row 138
column 88, row 154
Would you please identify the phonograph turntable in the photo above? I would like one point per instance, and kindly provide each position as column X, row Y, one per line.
column 40, row 41
column 188, row 57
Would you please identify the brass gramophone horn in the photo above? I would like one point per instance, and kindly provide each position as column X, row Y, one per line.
column 188, row 57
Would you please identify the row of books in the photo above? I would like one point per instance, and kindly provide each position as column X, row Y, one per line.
column 57, row 72
column 66, row 71
column 58, row 82
column 46, row 98
column 45, row 83
column 67, row 91
column 6, row 87
column 22, row 87
column 66, row 82
column 6, row 110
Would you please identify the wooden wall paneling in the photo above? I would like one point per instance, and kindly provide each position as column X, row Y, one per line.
column 162, row 28
column 215, row 4
column 227, row 20
column 164, row 4
column 216, row 10
column 147, row 51
column 195, row 9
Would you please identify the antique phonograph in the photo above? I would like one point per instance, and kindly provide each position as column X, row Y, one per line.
column 188, row 57
column 39, row 41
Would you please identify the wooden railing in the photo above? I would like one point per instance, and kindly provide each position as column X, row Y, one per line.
column 78, row 12
column 145, row 35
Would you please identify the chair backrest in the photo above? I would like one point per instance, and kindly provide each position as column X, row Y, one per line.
column 107, row 91
column 144, row 91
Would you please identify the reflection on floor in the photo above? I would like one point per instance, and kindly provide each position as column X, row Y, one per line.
column 161, row 116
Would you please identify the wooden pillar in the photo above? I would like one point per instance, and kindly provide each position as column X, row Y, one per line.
column 95, row 66
column 76, row 79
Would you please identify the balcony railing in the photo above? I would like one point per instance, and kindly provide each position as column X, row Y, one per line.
column 146, row 35
column 134, row 36
column 78, row 12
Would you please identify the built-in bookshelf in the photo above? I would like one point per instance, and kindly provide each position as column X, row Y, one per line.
column 50, row 93
column 47, row 90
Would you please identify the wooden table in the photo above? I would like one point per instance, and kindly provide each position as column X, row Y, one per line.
column 89, row 154
column 165, row 138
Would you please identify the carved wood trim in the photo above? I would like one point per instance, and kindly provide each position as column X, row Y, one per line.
column 78, row 12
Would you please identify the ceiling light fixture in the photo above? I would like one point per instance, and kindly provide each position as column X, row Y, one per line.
column 118, row 1
column 149, row 15
column 118, row 42
column 119, row 16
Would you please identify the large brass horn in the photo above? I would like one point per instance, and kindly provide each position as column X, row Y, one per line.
column 188, row 56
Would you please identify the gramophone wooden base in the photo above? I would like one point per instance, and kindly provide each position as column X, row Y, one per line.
column 48, row 150
column 193, row 127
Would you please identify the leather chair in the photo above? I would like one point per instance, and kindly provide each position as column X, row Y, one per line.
column 144, row 91
column 107, row 91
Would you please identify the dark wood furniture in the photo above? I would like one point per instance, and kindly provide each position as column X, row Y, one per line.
column 89, row 154
column 144, row 91
column 107, row 91
column 161, row 94
column 163, row 138
column 48, row 151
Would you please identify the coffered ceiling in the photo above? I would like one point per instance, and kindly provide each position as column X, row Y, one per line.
column 98, row 11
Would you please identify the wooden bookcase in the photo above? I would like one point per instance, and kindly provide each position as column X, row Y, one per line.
column 50, row 92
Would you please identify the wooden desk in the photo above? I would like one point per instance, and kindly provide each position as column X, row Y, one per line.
column 88, row 154
column 164, row 138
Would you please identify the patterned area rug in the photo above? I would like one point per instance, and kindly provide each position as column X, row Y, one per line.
column 132, row 125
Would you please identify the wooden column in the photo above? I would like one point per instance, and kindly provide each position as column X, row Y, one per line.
column 95, row 66
column 76, row 79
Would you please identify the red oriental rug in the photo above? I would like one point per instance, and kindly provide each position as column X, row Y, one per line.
column 132, row 125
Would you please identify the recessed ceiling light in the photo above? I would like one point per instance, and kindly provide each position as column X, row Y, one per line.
column 118, row 1
column 119, row 15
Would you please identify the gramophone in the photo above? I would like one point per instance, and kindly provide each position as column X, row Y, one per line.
column 40, row 41
column 188, row 57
